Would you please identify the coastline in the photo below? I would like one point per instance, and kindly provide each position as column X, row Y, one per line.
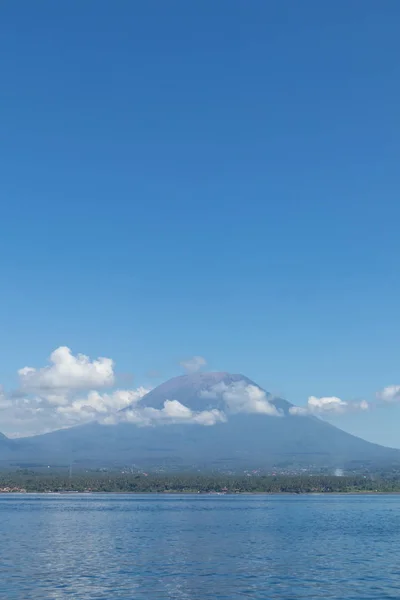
column 195, row 493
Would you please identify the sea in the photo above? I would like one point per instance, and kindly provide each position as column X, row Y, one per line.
column 195, row 547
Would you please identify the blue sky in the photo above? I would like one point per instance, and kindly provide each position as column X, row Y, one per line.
column 201, row 178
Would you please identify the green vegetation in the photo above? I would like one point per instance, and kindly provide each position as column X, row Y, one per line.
column 192, row 483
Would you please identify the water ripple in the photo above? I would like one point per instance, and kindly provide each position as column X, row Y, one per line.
column 195, row 548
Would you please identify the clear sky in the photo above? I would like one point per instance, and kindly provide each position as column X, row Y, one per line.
column 214, row 179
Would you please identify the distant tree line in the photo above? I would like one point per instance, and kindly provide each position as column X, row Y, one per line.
column 193, row 483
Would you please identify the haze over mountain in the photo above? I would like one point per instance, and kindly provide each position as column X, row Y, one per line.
column 202, row 420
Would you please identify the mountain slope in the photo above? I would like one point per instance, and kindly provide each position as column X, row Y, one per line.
column 8, row 448
column 244, row 441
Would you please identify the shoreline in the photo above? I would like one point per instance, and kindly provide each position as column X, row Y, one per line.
column 188, row 493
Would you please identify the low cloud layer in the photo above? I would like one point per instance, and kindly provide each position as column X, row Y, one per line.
column 328, row 405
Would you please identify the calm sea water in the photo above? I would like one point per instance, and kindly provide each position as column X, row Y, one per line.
column 199, row 547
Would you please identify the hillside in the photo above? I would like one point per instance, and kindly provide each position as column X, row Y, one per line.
column 242, row 441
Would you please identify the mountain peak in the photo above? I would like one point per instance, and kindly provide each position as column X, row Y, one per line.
column 190, row 390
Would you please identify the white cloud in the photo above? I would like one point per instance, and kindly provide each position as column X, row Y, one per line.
column 328, row 405
column 64, row 393
column 172, row 412
column 68, row 372
column 209, row 417
column 194, row 364
column 240, row 397
column 391, row 393
column 21, row 416
column 34, row 414
column 175, row 410
column 96, row 405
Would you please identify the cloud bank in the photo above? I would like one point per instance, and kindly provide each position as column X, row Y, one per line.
column 328, row 405
column 66, row 392
column 173, row 412
column 96, row 405
column 73, row 389
column 240, row 397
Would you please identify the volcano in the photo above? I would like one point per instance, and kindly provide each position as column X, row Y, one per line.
column 257, row 434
